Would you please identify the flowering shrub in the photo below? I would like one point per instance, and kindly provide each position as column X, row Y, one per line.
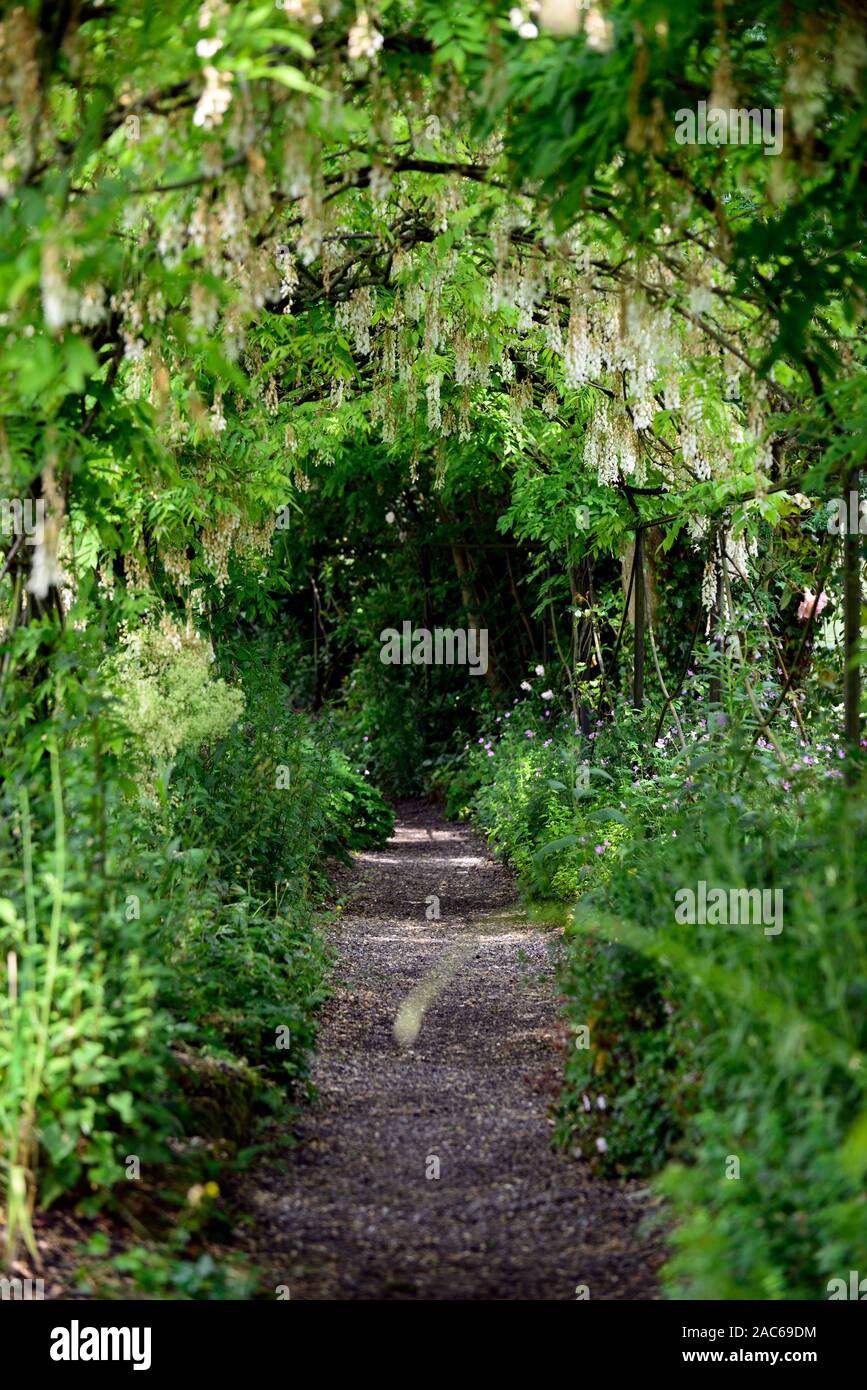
column 169, row 696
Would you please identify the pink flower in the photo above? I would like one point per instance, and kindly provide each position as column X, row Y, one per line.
column 809, row 602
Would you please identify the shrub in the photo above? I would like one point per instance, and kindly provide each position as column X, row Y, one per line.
column 720, row 1043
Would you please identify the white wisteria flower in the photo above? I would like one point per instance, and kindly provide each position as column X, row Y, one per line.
column 521, row 21
column 364, row 39
column 600, row 37
column 215, row 99
column 207, row 48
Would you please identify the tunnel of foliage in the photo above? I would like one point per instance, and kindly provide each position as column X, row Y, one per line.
column 320, row 323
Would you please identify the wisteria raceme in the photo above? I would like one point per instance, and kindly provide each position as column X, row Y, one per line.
column 643, row 411
column 481, row 370
column 404, row 357
column 217, row 544
column 432, row 392
column 413, row 300
column 739, row 551
column 60, row 302
column 177, row 564
column 671, row 391
column 364, row 40
column 553, row 330
column 285, row 263
column 440, row 471
column 204, row 308
column 432, row 318
column 529, row 292
column 232, row 221
column 401, row 262
column 313, row 226
column 709, row 585
column 388, row 359
column 354, row 316
column 580, row 358
column 215, row 100
column 171, row 240
column 611, row 446
column 461, row 347
column 234, row 334
column 389, row 420
column 520, row 400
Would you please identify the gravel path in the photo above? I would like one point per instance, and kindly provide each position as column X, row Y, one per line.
column 425, row 1169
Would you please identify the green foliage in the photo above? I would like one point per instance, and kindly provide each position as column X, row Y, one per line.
column 317, row 323
column 81, row 1023
column 362, row 817
column 131, row 928
column 167, row 694
column 715, row 1042
column 172, row 1270
column 546, row 799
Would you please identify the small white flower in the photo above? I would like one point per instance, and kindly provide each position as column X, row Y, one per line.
column 206, row 48
column 601, row 1146
column 525, row 685
column 215, row 99
column 599, row 31
column 540, row 670
column 364, row 39
column 547, row 694
column 389, row 516
column 601, row 1102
